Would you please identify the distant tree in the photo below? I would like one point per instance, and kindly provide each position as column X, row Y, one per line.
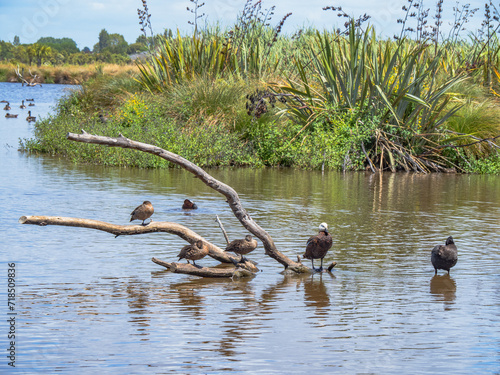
column 6, row 50
column 142, row 39
column 103, row 41
column 30, row 53
column 117, row 44
column 167, row 33
column 86, row 50
column 40, row 52
column 16, row 41
column 66, row 45
column 136, row 48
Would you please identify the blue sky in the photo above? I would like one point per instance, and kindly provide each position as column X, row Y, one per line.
column 82, row 20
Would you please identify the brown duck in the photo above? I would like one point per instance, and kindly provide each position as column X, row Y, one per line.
column 10, row 115
column 317, row 246
column 444, row 257
column 142, row 212
column 30, row 118
column 188, row 205
column 242, row 247
column 196, row 251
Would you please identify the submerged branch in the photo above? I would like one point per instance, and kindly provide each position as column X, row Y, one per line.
column 189, row 269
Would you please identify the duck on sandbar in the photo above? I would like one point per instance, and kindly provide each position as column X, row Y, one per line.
column 317, row 246
column 242, row 247
column 444, row 257
column 196, row 251
column 142, row 212
column 188, row 205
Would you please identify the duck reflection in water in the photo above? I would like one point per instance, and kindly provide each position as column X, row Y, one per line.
column 443, row 288
column 316, row 294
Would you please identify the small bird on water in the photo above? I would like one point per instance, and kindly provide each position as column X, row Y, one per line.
column 242, row 247
column 317, row 246
column 188, row 205
column 142, row 212
column 444, row 257
column 196, row 251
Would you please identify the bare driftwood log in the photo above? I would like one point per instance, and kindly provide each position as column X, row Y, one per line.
column 232, row 197
column 189, row 269
column 156, row 226
column 33, row 81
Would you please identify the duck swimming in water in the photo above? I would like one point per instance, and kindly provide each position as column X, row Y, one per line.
column 242, row 247
column 8, row 115
column 317, row 246
column 444, row 257
column 142, row 212
column 188, row 205
column 30, row 118
column 196, row 251
column 22, row 106
column 7, row 106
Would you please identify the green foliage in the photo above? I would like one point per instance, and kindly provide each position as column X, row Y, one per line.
column 62, row 45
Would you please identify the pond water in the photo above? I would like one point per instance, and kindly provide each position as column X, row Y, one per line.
column 87, row 302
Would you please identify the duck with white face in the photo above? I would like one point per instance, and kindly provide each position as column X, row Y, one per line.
column 317, row 246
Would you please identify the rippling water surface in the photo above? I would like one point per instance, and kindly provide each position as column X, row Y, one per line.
column 88, row 302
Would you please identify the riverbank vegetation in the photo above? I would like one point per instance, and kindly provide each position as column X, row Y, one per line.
column 345, row 99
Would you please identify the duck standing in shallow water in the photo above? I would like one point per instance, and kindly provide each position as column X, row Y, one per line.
column 317, row 246
column 188, row 205
column 242, row 247
column 142, row 212
column 193, row 252
column 444, row 257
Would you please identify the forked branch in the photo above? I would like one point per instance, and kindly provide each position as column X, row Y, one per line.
column 232, row 197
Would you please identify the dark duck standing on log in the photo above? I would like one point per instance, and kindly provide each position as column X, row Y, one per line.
column 317, row 246
column 142, row 212
column 193, row 252
column 188, row 205
column 444, row 257
column 242, row 247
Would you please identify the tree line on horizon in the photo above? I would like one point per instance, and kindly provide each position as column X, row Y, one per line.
column 110, row 48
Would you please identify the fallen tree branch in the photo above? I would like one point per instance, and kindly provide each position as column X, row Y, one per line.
column 121, row 230
column 189, row 269
column 232, row 197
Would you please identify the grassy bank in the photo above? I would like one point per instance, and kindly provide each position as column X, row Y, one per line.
column 64, row 74
column 345, row 101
